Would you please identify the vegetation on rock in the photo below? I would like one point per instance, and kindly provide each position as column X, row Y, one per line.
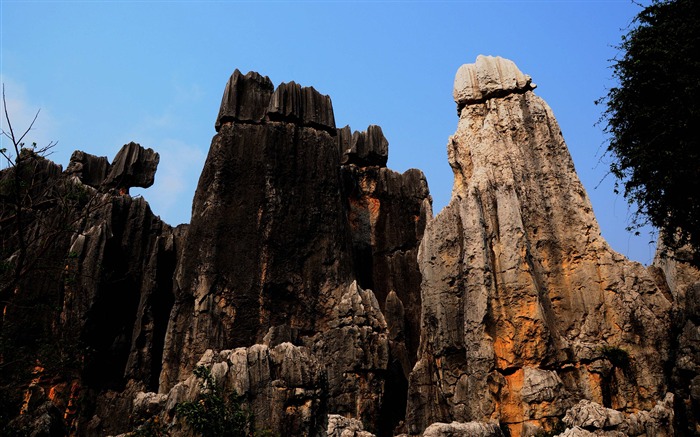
column 213, row 414
column 652, row 118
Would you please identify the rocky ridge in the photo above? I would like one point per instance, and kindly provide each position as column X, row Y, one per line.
column 314, row 284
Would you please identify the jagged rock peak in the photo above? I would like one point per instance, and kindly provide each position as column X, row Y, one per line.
column 133, row 166
column 488, row 77
column 90, row 169
column 366, row 148
column 305, row 105
column 252, row 98
column 245, row 98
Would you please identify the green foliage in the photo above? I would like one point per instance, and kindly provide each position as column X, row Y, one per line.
column 211, row 414
column 618, row 357
column 652, row 119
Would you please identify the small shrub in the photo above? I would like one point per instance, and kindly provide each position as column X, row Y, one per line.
column 211, row 414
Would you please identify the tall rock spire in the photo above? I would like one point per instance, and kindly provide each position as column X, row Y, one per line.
column 294, row 223
column 526, row 309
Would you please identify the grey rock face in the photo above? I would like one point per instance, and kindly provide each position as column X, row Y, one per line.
column 289, row 389
column 590, row 416
column 469, row 429
column 339, row 426
column 272, row 250
column 101, row 287
column 387, row 213
column 90, row 169
column 300, row 285
column 267, row 244
column 133, row 166
column 525, row 308
column 683, row 283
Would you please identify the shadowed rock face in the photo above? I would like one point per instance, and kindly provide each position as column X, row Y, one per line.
column 281, row 235
column 99, row 289
column 525, row 308
column 268, row 237
column 133, row 166
column 683, row 282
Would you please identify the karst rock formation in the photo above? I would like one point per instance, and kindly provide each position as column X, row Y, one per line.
column 314, row 286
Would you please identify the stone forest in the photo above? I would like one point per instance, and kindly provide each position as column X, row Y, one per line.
column 313, row 292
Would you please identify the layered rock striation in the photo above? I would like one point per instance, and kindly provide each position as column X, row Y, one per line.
column 315, row 287
column 284, row 242
column 90, row 299
column 525, row 308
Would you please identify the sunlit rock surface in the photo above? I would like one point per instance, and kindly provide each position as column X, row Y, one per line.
column 525, row 308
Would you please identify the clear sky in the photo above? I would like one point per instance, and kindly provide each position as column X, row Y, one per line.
column 153, row 72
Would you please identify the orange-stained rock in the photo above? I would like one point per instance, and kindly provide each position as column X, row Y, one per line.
column 526, row 309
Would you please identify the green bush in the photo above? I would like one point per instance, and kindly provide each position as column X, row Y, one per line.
column 212, row 414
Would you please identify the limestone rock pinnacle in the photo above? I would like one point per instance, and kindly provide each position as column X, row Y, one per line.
column 134, row 166
column 525, row 308
column 245, row 98
column 365, row 148
column 488, row 77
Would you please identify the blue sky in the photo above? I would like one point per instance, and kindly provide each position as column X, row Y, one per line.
column 153, row 72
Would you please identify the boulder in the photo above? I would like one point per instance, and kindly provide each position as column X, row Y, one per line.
column 133, row 166
column 488, row 77
column 89, row 169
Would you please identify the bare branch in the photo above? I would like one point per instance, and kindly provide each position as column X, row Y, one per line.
column 7, row 118
column 7, row 157
column 31, row 125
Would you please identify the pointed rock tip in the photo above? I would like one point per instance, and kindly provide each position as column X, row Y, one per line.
column 133, row 166
column 297, row 104
column 245, row 98
column 252, row 98
column 488, row 77
column 364, row 149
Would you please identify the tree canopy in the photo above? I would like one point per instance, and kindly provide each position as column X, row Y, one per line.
column 653, row 121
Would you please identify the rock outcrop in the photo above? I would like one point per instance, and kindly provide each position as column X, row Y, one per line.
column 281, row 236
column 314, row 286
column 487, row 78
column 95, row 276
column 133, row 166
column 525, row 308
column 683, row 283
column 590, row 418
